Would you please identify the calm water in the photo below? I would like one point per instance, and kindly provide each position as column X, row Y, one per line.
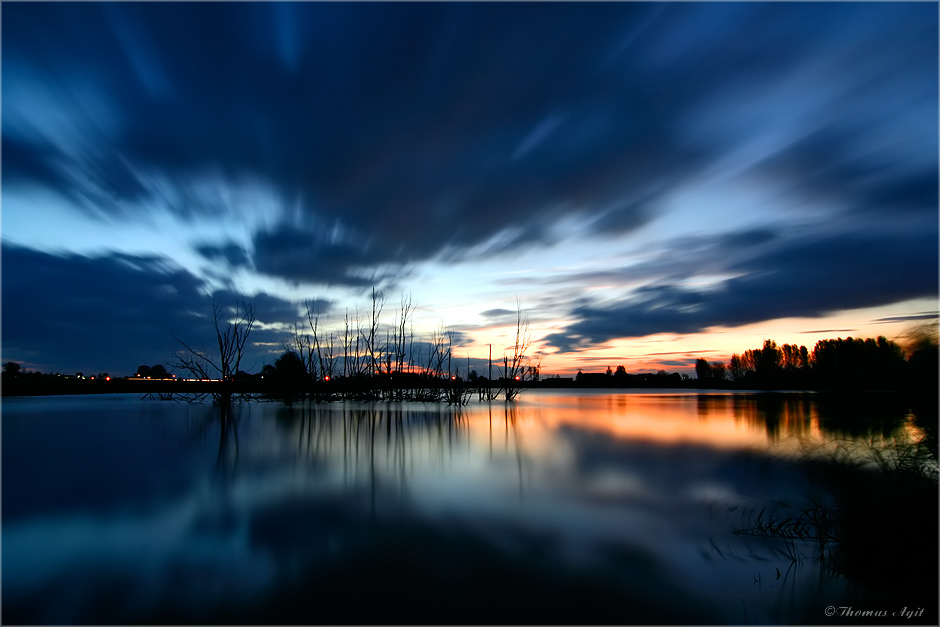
column 582, row 507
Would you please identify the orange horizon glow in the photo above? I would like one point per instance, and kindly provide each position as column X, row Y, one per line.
column 656, row 352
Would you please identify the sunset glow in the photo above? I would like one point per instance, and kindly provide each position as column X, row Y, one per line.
column 646, row 190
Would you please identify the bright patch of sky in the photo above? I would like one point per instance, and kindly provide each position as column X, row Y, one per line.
column 587, row 163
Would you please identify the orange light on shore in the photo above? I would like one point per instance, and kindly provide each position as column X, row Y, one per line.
column 107, row 378
column 326, row 378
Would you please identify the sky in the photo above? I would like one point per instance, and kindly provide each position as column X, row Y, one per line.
column 650, row 183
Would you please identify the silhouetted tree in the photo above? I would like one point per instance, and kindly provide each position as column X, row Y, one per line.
column 301, row 345
column 322, row 348
column 736, row 368
column 404, row 335
column 709, row 372
column 289, row 367
column 370, row 339
column 288, row 379
column 923, row 371
column 232, row 326
column 156, row 371
column 853, row 363
column 768, row 360
column 702, row 371
column 514, row 369
column 717, row 371
column 850, row 363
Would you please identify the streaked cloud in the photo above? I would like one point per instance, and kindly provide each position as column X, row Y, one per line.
column 696, row 164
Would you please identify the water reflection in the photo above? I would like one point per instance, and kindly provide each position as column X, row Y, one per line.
column 575, row 508
column 386, row 444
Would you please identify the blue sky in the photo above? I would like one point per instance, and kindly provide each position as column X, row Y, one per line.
column 652, row 182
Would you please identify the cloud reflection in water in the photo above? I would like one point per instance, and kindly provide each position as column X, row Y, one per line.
column 562, row 493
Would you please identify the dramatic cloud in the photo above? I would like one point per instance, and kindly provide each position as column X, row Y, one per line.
column 435, row 127
column 828, row 165
column 323, row 257
column 336, row 146
column 794, row 277
column 113, row 312
column 233, row 255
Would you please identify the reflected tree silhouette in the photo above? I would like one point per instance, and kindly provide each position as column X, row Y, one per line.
column 373, row 443
column 838, row 415
column 853, row 416
column 228, row 427
column 205, row 418
column 510, row 414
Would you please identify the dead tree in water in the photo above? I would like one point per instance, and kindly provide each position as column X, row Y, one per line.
column 232, row 328
column 370, row 340
column 400, row 337
column 300, row 345
column 318, row 359
column 347, row 346
column 515, row 369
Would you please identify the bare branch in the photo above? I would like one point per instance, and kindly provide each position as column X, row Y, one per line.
column 231, row 339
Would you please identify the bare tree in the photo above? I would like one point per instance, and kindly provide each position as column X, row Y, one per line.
column 352, row 352
column 326, row 351
column 370, row 338
column 301, row 345
column 514, row 370
column 347, row 346
column 438, row 353
column 400, row 334
column 358, row 368
column 232, row 327
column 321, row 354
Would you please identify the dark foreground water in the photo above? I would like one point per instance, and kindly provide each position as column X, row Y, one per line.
column 566, row 507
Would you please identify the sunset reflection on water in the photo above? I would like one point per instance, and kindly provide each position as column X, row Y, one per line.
column 637, row 492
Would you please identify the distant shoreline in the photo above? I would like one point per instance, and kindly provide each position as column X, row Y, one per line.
column 12, row 389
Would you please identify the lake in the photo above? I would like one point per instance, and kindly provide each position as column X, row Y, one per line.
column 568, row 506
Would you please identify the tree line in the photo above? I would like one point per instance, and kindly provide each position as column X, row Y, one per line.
column 620, row 378
column 370, row 358
column 838, row 364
